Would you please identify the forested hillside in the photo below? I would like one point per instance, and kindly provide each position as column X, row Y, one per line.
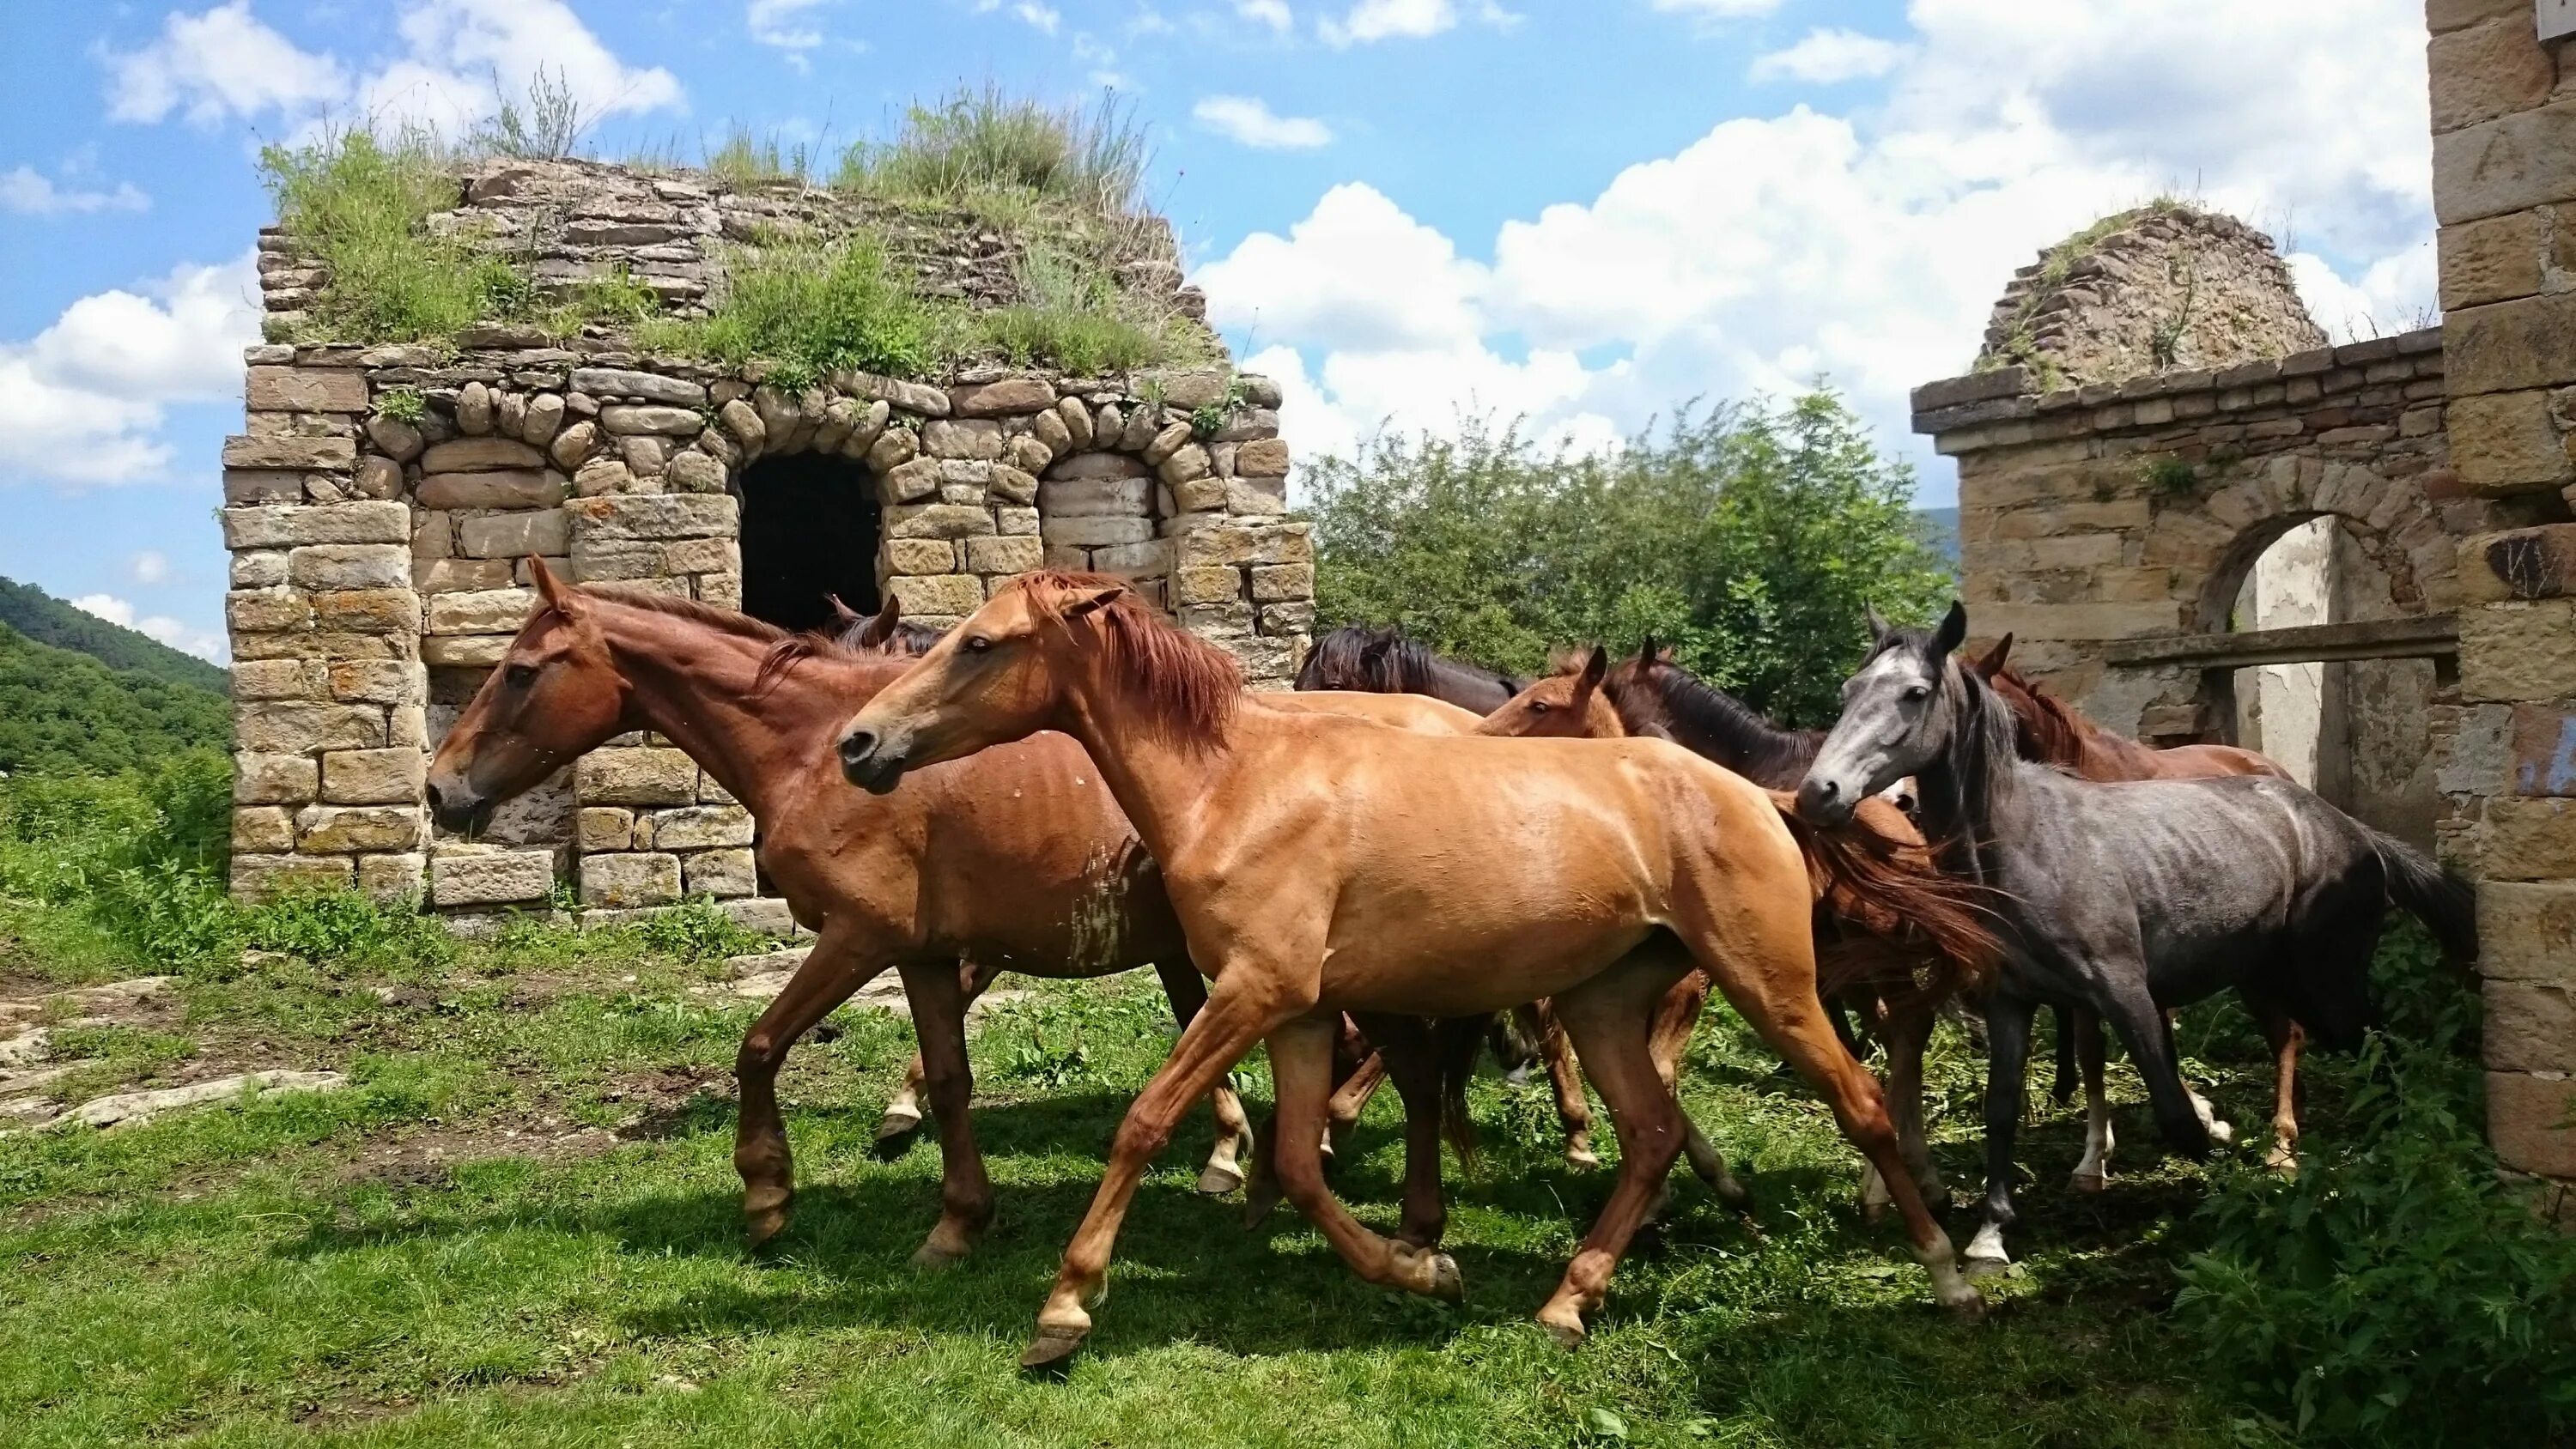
column 62, row 711
column 48, row 620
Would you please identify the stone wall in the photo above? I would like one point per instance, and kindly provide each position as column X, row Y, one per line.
column 2504, row 192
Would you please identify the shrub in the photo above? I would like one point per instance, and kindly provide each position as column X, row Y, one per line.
column 822, row 306
column 361, row 204
column 697, row 930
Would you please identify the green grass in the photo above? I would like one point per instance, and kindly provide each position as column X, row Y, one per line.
column 1006, row 157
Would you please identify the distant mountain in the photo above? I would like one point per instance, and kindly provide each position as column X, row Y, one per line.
column 62, row 711
column 1941, row 529
column 47, row 620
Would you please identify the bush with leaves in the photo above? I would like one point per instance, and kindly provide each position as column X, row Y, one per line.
column 2396, row 1287
column 1750, row 537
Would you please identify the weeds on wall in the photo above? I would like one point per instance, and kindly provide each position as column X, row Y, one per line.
column 1006, row 157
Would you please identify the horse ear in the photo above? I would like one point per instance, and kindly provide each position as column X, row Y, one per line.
column 1594, row 670
column 1649, row 653
column 1877, row 624
column 843, row 616
column 1993, row 663
column 1953, row 631
column 880, row 627
column 558, row 595
column 1091, row 601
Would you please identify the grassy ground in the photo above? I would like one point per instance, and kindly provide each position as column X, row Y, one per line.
column 519, row 1225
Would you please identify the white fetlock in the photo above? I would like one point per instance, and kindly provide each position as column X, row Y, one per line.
column 1874, row 1196
column 1986, row 1253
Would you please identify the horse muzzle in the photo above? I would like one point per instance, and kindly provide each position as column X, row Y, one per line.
column 1825, row 801
column 868, row 762
column 458, row 809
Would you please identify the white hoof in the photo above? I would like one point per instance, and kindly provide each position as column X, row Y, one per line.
column 2087, row 1182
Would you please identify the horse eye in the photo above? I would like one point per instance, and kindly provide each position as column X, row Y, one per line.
column 1916, row 694
column 1538, row 706
column 520, row 676
column 977, row 643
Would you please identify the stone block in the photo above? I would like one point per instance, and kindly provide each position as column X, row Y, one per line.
column 1014, row 521
column 2493, row 260
column 1128, row 496
column 1205, row 495
column 1280, row 583
column 275, row 779
column 638, row 879
column 2528, row 1119
column 452, row 575
column 368, row 611
column 2529, row 838
column 1206, row 584
column 377, row 478
column 491, row 611
column 290, row 527
column 2538, row 745
column 629, row 419
column 2486, row 71
column 724, row 874
column 643, row 456
column 2506, row 164
column 2078, row 621
column 1184, row 464
column 257, row 569
column 1258, row 497
column 603, row 476
column 1004, row 555
column 920, row 556
column 544, row 419
column 1247, row 542
column 394, row 438
column 938, row 520
column 644, row 775
column 909, row 482
column 937, row 593
column 573, row 445
column 471, row 875
column 2523, row 563
column 262, row 829
column 349, row 566
column 694, row 472
column 1151, row 559
column 292, row 728
column 499, row 489
column 1261, row 458
column 598, row 828
column 2527, row 931
column 1164, row 443
column 1077, row 423
column 387, row 682
column 975, row 438
column 267, row 877
column 650, row 387
column 262, row 610
column 343, row 829
column 1013, row 484
column 1095, row 466
column 2518, row 651
column 2505, row 442
column 465, row 651
column 655, row 516
column 247, row 486
column 328, row 455
column 2529, row 1027
column 1094, row 531
column 480, row 455
column 393, row 879
column 373, row 777
column 1008, row 396
column 279, row 679
column 547, row 532
column 702, row 827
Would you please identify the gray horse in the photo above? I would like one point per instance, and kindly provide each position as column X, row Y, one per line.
column 2123, row 898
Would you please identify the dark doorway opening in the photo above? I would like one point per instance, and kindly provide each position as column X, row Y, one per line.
column 809, row 530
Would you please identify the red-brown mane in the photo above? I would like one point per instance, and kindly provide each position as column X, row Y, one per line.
column 2049, row 727
column 1185, row 685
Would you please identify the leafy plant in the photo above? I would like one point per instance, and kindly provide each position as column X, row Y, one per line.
column 361, row 204
column 1210, row 419
column 697, row 930
column 403, row 404
column 826, row 306
column 984, row 149
column 2169, row 474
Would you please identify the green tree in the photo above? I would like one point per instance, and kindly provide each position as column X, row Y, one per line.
column 1752, row 537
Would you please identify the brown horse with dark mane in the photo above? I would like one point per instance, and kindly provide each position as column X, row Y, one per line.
column 1320, row 863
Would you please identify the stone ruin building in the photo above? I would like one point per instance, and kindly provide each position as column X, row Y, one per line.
column 382, row 500
column 2176, row 495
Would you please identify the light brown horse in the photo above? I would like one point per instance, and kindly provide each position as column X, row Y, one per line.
column 1321, row 863
column 2054, row 732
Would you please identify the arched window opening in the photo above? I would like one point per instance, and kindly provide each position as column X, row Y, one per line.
column 809, row 531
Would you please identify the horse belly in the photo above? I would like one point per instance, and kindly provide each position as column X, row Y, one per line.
column 1450, row 963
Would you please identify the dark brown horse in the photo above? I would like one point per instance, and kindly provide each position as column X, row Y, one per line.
column 1321, row 863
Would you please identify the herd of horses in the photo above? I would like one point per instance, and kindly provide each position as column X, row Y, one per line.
column 1364, row 874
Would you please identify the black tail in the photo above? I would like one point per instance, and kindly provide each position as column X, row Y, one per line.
column 1455, row 1042
column 2446, row 904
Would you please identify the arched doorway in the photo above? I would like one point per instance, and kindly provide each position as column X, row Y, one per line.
column 809, row 532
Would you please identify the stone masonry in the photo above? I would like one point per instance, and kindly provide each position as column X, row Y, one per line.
column 382, row 501
column 2504, row 193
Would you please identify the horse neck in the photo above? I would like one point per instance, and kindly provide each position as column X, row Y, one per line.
column 1710, row 722
column 1961, row 794
column 695, row 683
column 1160, row 782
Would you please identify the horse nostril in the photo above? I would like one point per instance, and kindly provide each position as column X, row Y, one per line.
column 437, row 800
column 857, row 745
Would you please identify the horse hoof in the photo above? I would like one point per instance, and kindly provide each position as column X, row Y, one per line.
column 1447, row 1284
column 2220, row 1132
column 1581, row 1159
column 1050, row 1350
column 1257, row 1205
column 1967, row 1305
column 2087, row 1182
column 1733, row 1193
column 933, row 1255
column 764, row 1213
column 1219, row 1181
column 1873, row 1213
column 895, row 1133
column 1569, row 1335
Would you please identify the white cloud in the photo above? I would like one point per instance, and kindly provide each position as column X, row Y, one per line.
column 1044, row 17
column 222, row 63
column 1250, row 120
column 459, row 58
column 785, row 24
column 1389, row 19
column 160, row 627
column 1865, row 248
column 1827, row 56
column 1717, row 9
column 151, row 566
column 1273, row 13
column 81, row 402
column 30, row 192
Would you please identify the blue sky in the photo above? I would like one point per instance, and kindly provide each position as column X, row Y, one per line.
column 1584, row 213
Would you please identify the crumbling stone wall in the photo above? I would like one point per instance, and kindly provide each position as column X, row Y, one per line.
column 382, row 501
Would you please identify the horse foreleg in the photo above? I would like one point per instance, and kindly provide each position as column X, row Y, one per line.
column 1186, row 990
column 2062, row 1085
column 1565, row 1081
column 1413, row 1063
column 903, row 1110
column 2148, row 1034
column 2094, row 1168
column 1301, row 1065
column 938, row 1002
column 833, row 969
column 1234, row 1018
column 2007, row 1055
column 2210, row 1122
column 1907, row 1031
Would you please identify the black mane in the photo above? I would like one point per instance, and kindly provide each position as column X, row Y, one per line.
column 1385, row 661
column 1711, row 722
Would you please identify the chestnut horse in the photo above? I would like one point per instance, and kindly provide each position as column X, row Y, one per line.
column 2053, row 732
column 1320, row 863
column 908, row 880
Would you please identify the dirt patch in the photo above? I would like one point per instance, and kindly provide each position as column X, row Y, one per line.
column 428, row 1157
column 670, row 1101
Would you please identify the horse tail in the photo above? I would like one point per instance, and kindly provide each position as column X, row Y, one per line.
column 1454, row 1043
column 1883, row 909
column 2446, row 904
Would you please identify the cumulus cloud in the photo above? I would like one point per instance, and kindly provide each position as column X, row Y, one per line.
column 1866, row 248
column 459, row 59
column 30, row 192
column 1273, row 13
column 81, row 402
column 786, row 24
column 151, row 566
column 1250, row 120
column 1717, row 9
column 1371, row 20
column 1827, row 56
column 160, row 627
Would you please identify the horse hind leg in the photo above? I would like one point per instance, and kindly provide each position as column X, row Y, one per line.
column 966, row 1193
column 2093, row 1171
column 1187, row 992
column 903, row 1111
column 1565, row 1082
column 2007, row 1055
column 1676, row 1017
column 2210, row 1122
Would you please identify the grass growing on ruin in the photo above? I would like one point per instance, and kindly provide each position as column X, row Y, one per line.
column 361, row 204
column 1006, row 157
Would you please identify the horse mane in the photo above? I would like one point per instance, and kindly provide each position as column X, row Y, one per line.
column 1385, row 661
column 1340, row 659
column 1186, row 686
column 1766, row 752
column 2049, row 729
